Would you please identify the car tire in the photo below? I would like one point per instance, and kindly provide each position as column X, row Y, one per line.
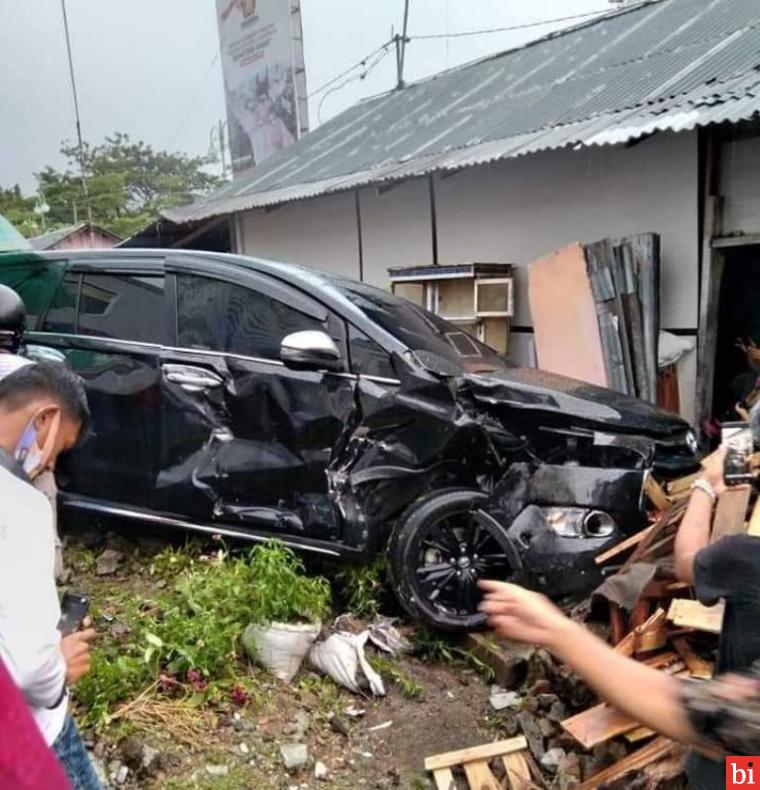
column 420, row 560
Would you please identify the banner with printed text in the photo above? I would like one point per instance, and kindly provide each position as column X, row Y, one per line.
column 258, row 63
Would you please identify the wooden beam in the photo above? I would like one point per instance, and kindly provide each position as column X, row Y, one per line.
column 444, row 779
column 656, row 494
column 731, row 513
column 598, row 724
column 639, row 734
column 485, row 752
column 624, row 545
column 682, row 486
column 745, row 240
column 666, row 520
column 203, row 228
column 648, row 754
column 711, row 263
column 479, row 776
column 518, row 771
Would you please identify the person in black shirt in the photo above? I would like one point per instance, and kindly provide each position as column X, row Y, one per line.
column 728, row 570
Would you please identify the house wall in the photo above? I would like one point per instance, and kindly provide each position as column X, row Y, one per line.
column 511, row 211
column 320, row 233
column 86, row 240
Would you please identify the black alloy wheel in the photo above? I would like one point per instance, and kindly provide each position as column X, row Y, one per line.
column 439, row 551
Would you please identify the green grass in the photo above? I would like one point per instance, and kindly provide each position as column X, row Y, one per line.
column 188, row 637
column 364, row 587
column 442, row 649
column 390, row 668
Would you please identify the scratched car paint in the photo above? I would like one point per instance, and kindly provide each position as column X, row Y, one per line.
column 415, row 440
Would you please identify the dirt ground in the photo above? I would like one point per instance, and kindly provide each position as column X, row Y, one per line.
column 375, row 743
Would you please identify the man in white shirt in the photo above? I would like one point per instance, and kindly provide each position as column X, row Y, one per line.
column 43, row 411
column 12, row 330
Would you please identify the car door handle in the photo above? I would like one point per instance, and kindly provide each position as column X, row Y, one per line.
column 190, row 378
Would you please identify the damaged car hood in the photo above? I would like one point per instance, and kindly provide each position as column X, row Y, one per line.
column 589, row 405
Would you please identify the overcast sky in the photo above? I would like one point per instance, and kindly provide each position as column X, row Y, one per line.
column 150, row 67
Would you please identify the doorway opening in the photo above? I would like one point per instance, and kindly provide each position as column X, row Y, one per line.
column 736, row 376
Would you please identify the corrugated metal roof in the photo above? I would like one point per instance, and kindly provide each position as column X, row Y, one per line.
column 663, row 65
column 47, row 241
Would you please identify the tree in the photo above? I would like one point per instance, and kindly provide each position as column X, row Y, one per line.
column 18, row 210
column 129, row 183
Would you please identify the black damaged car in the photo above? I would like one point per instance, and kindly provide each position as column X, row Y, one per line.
column 254, row 399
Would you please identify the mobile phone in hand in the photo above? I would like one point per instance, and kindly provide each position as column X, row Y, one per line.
column 74, row 609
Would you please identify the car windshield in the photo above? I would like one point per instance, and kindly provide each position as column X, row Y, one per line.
column 437, row 343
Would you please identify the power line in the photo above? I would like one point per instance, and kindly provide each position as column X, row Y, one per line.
column 191, row 103
column 76, row 111
column 381, row 54
column 362, row 62
column 523, row 26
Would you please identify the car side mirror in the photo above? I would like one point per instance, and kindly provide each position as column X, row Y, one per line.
column 310, row 350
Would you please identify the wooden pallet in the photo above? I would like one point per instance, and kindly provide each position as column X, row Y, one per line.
column 475, row 764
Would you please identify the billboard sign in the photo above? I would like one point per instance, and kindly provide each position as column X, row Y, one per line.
column 262, row 65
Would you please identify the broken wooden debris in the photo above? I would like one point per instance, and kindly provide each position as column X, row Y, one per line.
column 623, row 546
column 598, row 724
column 697, row 666
column 627, row 646
column 650, row 635
column 686, row 613
column 659, row 747
column 474, row 761
column 656, row 494
column 660, row 639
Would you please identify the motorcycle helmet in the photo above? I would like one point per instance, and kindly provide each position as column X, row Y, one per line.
column 12, row 319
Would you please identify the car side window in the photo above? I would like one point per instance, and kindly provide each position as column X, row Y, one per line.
column 36, row 283
column 221, row 316
column 367, row 357
column 125, row 307
column 61, row 316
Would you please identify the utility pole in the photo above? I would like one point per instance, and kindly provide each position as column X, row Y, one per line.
column 85, row 189
column 401, row 42
column 220, row 130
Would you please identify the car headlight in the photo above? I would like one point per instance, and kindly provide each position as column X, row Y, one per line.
column 577, row 522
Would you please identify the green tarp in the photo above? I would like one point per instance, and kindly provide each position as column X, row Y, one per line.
column 10, row 238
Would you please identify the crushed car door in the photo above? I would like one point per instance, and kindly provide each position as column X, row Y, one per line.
column 246, row 440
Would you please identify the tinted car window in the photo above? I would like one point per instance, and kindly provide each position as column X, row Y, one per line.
column 221, row 316
column 35, row 283
column 62, row 313
column 126, row 307
column 367, row 357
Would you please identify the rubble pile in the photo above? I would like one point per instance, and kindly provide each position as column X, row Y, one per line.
column 574, row 740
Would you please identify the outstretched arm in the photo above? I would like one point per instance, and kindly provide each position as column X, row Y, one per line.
column 694, row 532
column 647, row 695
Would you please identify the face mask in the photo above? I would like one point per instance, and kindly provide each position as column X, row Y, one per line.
column 29, row 454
